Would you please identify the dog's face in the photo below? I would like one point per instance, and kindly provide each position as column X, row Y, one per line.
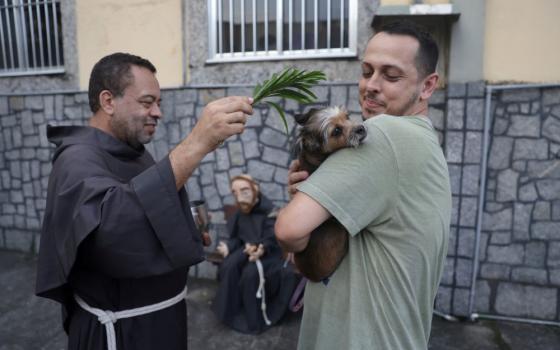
column 327, row 130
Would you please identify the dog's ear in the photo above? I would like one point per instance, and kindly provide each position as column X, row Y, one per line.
column 297, row 147
column 301, row 119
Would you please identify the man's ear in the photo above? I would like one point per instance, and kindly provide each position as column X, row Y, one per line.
column 429, row 85
column 107, row 102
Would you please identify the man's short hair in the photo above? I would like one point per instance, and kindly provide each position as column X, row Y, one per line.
column 428, row 52
column 112, row 73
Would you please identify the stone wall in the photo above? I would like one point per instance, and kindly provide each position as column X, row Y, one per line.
column 519, row 271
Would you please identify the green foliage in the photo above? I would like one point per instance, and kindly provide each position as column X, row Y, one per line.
column 292, row 84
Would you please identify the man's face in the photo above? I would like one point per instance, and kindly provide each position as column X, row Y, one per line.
column 244, row 194
column 390, row 83
column 137, row 112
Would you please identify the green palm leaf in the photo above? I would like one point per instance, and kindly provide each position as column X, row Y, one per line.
column 290, row 84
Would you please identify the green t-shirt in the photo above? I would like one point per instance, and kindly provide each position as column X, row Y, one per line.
column 393, row 196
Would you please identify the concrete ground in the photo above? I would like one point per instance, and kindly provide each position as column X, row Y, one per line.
column 28, row 322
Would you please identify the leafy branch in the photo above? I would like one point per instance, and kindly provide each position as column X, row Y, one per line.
column 291, row 84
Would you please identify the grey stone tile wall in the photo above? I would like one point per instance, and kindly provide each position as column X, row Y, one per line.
column 519, row 273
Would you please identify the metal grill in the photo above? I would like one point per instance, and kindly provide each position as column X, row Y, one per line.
column 256, row 30
column 30, row 37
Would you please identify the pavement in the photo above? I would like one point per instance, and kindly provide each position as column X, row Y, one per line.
column 29, row 322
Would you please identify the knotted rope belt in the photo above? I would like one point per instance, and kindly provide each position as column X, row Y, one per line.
column 108, row 318
column 260, row 291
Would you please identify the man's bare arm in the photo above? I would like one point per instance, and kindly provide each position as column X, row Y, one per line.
column 297, row 220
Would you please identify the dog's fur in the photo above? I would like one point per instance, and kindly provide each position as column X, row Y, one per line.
column 322, row 132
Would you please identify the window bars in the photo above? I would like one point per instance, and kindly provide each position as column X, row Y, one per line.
column 257, row 30
column 30, row 37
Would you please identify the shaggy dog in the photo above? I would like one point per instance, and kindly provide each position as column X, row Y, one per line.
column 322, row 132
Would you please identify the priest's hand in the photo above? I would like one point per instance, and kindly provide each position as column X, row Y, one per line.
column 219, row 120
column 223, row 249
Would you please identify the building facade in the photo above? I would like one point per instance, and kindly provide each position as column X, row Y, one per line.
column 497, row 113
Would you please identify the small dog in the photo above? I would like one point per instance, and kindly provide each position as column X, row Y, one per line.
column 322, row 132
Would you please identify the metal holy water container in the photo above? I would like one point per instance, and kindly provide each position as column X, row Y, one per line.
column 199, row 211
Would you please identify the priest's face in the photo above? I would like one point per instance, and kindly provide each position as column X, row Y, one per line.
column 137, row 112
column 245, row 195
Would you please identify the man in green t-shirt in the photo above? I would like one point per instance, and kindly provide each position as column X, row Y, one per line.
column 393, row 196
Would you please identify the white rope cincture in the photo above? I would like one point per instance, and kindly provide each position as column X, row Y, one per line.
column 108, row 318
column 260, row 291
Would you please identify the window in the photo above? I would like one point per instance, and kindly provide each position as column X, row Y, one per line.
column 30, row 37
column 251, row 30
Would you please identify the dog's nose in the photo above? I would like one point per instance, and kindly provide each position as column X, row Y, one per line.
column 361, row 131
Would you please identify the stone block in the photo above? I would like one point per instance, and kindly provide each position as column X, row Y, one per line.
column 455, row 114
column 437, row 116
column 236, row 153
column 519, row 166
column 530, row 149
column 454, row 210
column 455, row 178
column 222, row 158
column 500, row 153
column 456, row 90
column 466, row 238
column 338, row 96
column 553, row 259
column 17, row 137
column 193, row 189
column 48, row 110
column 454, row 146
column 540, row 169
column 222, row 183
column 206, row 173
column 448, row 274
column 4, row 109
column 20, row 240
column 549, row 189
column 353, row 100
column 526, row 301
column 17, row 103
column 495, row 271
column 551, row 96
column 461, row 302
column 556, row 210
column 476, row 89
column 510, row 254
column 452, row 242
column 274, row 121
column 252, row 149
column 271, row 137
column 273, row 191
column 210, row 194
column 34, row 102
column 468, row 211
column 256, row 119
column 507, row 186
column 73, row 112
column 520, row 95
column 522, row 219
column 443, row 300
column 261, row 171
column 548, row 230
column 554, row 277
column 529, row 275
column 535, row 253
column 463, row 272
column 281, row 175
column 438, row 97
column 525, row 126
column 473, row 147
column 500, row 238
column 276, row 156
column 483, row 293
column 551, row 129
column 185, row 96
column 542, row 211
column 475, row 114
column 471, row 177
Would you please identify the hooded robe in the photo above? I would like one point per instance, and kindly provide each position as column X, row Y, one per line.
column 236, row 303
column 118, row 233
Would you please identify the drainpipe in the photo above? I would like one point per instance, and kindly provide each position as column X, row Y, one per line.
column 481, row 198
